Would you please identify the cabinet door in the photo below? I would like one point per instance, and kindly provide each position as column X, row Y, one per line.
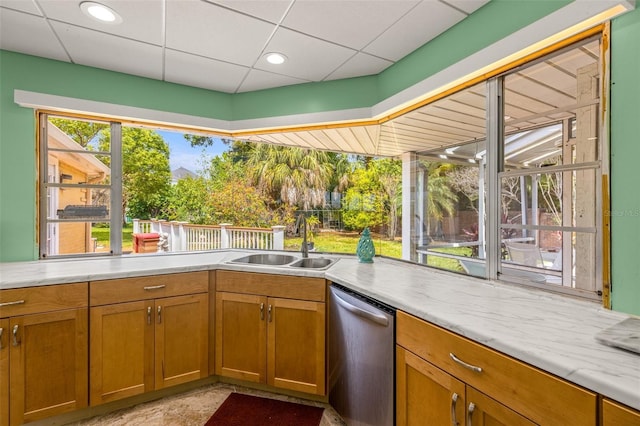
column 48, row 364
column 296, row 345
column 4, row 372
column 181, row 339
column 614, row 414
column 484, row 411
column 241, row 336
column 426, row 395
column 121, row 350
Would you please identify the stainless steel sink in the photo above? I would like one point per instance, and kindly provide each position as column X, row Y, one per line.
column 313, row 263
column 272, row 259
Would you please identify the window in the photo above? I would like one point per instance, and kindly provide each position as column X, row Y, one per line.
column 547, row 152
column 77, row 192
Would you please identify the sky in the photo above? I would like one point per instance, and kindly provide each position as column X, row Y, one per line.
column 183, row 155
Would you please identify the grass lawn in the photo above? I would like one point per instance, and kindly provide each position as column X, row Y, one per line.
column 328, row 242
column 334, row 242
column 102, row 234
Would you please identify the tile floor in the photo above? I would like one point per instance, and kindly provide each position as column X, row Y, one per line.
column 192, row 408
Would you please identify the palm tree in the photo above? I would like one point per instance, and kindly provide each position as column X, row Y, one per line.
column 296, row 176
column 440, row 197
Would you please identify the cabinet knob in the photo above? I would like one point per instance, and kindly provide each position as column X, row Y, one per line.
column 149, row 315
column 159, row 314
column 269, row 313
column 1, row 331
column 261, row 311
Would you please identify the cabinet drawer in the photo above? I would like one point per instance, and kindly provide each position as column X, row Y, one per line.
column 32, row 300
column 285, row 286
column 539, row 396
column 151, row 287
column 617, row 414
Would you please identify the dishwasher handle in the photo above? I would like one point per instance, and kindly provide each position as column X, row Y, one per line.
column 363, row 313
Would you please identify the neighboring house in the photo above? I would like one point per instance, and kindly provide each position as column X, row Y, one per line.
column 67, row 167
column 181, row 173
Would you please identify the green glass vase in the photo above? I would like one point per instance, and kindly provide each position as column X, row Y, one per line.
column 365, row 249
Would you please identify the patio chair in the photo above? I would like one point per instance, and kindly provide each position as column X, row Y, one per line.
column 525, row 254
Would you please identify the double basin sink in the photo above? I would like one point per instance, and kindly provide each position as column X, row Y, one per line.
column 277, row 259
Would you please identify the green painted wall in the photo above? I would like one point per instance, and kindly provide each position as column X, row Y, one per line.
column 625, row 159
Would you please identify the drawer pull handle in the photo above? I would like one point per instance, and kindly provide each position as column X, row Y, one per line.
column 464, row 364
column 261, row 311
column 159, row 314
column 16, row 342
column 154, row 287
column 1, row 331
column 454, row 399
column 148, row 315
column 269, row 313
column 470, row 411
column 17, row 302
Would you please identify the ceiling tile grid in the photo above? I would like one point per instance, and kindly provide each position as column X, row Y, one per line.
column 220, row 44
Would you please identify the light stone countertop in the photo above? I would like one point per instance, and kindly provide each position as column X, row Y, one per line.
column 552, row 332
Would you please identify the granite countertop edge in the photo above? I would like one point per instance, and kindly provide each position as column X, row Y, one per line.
column 552, row 332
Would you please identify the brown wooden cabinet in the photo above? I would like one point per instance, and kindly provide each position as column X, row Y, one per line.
column 615, row 414
column 43, row 352
column 271, row 329
column 498, row 389
column 142, row 345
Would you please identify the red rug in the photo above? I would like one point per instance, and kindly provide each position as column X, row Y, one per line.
column 247, row 410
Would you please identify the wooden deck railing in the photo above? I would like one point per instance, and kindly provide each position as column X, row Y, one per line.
column 183, row 236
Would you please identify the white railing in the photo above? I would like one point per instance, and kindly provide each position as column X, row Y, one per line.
column 182, row 236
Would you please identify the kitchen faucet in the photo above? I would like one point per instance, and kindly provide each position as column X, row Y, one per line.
column 304, row 249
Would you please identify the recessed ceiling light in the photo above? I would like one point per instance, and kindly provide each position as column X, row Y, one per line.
column 275, row 58
column 100, row 12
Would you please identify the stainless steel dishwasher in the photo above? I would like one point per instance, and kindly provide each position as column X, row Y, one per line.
column 361, row 358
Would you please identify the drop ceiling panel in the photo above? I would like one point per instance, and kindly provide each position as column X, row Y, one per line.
column 116, row 53
column 468, row 6
column 431, row 17
column 215, row 32
column 348, row 23
column 309, row 58
column 28, row 6
column 142, row 20
column 258, row 80
column 197, row 71
column 359, row 65
column 269, row 10
column 18, row 31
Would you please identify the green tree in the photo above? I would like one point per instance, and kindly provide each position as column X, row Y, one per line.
column 146, row 176
column 441, row 198
column 82, row 132
column 362, row 205
column 375, row 197
column 295, row 176
column 241, row 205
column 189, row 201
